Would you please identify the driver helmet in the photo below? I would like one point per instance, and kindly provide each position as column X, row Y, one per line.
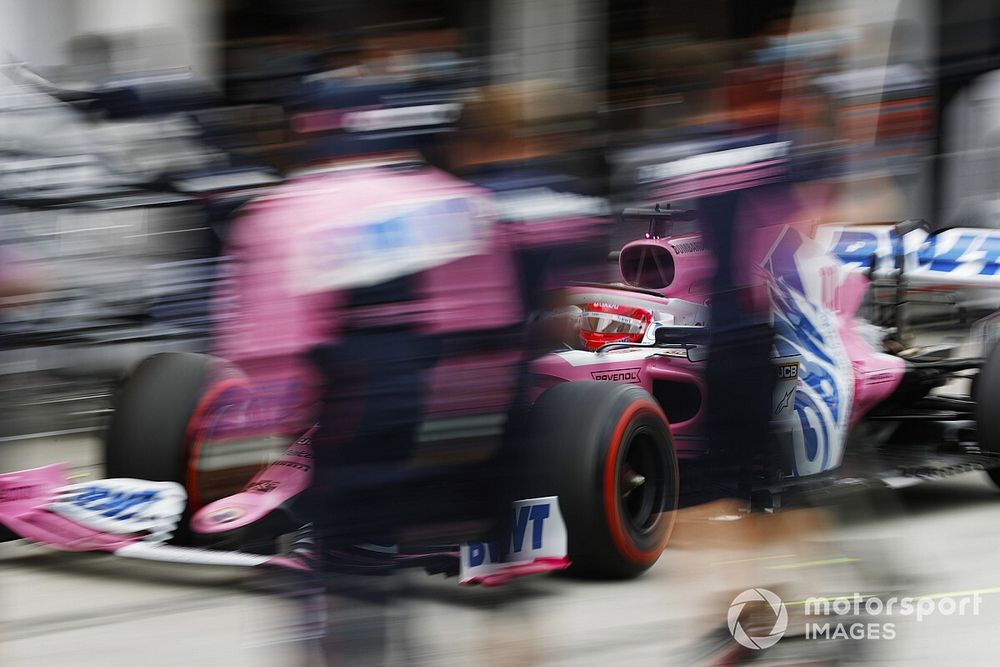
column 602, row 323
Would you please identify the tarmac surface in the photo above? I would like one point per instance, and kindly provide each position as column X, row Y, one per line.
column 931, row 541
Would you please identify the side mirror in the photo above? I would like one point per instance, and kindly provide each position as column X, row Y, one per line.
column 678, row 335
column 697, row 353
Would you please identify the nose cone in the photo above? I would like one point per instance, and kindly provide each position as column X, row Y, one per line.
column 229, row 513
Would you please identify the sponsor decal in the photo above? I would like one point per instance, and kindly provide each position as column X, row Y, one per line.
column 857, row 246
column 788, row 371
column 684, row 247
column 537, row 532
column 963, row 255
column 123, row 506
column 390, row 241
column 291, row 464
column 785, row 401
column 879, row 378
column 617, row 375
column 112, row 503
column 19, row 492
column 225, row 515
column 804, row 328
column 521, row 538
column 262, row 486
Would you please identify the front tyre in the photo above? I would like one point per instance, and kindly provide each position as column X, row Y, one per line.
column 605, row 450
column 157, row 410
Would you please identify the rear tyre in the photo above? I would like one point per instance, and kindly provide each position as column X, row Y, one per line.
column 605, row 450
column 986, row 391
column 149, row 436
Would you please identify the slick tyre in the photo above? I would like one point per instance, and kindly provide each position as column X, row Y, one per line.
column 986, row 391
column 605, row 450
column 156, row 411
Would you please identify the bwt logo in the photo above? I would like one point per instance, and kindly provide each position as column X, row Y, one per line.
column 757, row 595
column 113, row 504
column 533, row 514
column 618, row 375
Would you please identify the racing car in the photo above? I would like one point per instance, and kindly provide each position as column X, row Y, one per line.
column 202, row 424
column 851, row 405
column 615, row 421
column 188, row 428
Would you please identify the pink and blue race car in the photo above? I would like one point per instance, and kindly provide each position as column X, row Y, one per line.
column 616, row 419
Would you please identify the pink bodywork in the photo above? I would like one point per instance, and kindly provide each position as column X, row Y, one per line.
column 269, row 317
column 830, row 286
column 286, row 478
column 267, row 321
column 262, row 295
column 25, row 496
column 692, row 265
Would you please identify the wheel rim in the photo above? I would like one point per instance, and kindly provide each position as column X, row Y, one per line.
column 642, row 483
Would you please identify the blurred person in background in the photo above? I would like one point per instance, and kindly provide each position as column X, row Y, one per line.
column 758, row 152
column 419, row 290
column 515, row 140
column 810, row 125
column 17, row 277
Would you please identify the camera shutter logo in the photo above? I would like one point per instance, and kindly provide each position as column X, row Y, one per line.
column 780, row 618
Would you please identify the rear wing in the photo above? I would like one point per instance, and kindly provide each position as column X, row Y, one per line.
column 662, row 219
column 960, row 256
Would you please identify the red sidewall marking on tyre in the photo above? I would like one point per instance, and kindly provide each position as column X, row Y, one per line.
column 193, row 442
column 626, row 545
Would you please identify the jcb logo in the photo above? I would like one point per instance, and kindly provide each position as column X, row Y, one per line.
column 788, row 371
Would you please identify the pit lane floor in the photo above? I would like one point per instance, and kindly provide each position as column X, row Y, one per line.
column 934, row 539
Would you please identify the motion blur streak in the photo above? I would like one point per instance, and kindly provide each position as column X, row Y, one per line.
column 397, row 295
